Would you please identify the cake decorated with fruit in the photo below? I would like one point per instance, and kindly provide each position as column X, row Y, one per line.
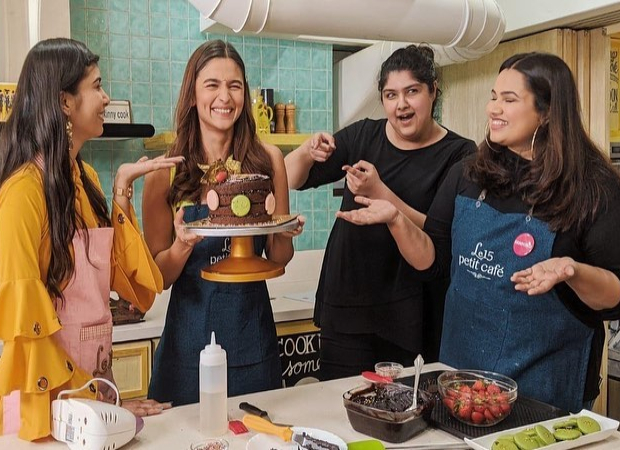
column 236, row 198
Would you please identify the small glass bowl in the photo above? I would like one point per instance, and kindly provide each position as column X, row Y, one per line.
column 210, row 444
column 477, row 397
column 389, row 369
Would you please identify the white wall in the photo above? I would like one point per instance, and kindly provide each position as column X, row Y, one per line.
column 525, row 17
column 22, row 24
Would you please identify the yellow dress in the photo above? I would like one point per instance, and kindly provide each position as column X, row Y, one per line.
column 27, row 316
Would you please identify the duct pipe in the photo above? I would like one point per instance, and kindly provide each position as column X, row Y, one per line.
column 458, row 30
column 468, row 24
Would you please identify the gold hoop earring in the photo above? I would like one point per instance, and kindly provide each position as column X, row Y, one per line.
column 487, row 136
column 533, row 139
column 69, row 131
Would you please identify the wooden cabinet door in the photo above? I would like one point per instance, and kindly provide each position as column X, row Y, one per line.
column 131, row 365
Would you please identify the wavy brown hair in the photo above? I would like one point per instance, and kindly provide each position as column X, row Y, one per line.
column 246, row 148
column 35, row 127
column 565, row 181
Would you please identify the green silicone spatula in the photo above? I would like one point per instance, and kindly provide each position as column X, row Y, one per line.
column 373, row 444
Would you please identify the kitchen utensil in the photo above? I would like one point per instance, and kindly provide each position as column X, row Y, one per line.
column 418, row 363
column 251, row 409
column 304, row 437
column 85, row 423
column 372, row 444
column 375, row 377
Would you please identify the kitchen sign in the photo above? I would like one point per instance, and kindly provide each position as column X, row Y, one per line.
column 118, row 111
column 299, row 355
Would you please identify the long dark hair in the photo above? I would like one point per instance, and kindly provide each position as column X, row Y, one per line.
column 37, row 128
column 565, row 181
column 247, row 149
column 419, row 60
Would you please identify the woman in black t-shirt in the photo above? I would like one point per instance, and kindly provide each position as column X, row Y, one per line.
column 528, row 229
column 369, row 304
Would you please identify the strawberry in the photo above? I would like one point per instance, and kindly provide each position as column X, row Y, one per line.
column 465, row 412
column 477, row 417
column 505, row 407
column 478, row 385
column 496, row 411
column 489, row 416
column 493, row 389
column 221, row 176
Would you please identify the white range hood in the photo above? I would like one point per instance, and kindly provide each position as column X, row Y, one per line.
column 458, row 30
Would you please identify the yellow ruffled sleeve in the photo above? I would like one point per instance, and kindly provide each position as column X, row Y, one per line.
column 134, row 274
column 31, row 361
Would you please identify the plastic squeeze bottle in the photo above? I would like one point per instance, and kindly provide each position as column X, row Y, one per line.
column 213, row 390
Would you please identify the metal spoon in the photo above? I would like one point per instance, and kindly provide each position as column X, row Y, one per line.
column 417, row 364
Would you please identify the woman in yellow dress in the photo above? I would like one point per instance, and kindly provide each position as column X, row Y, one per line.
column 60, row 250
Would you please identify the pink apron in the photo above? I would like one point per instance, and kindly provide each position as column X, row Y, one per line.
column 86, row 333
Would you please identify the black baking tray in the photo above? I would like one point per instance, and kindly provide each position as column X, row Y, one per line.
column 524, row 412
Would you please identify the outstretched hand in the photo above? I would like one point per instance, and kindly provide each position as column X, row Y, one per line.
column 128, row 172
column 363, row 179
column 146, row 407
column 322, row 145
column 375, row 211
column 541, row 277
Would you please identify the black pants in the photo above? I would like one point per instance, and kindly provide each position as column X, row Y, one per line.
column 346, row 355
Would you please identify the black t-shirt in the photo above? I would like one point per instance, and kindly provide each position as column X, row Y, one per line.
column 597, row 245
column 366, row 286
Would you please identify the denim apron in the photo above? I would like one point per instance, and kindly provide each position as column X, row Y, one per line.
column 489, row 325
column 239, row 313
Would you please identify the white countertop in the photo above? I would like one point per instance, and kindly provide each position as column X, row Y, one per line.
column 316, row 405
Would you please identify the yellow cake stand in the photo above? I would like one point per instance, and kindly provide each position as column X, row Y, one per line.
column 243, row 264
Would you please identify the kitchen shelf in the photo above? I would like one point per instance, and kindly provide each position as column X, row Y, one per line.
column 118, row 131
column 286, row 142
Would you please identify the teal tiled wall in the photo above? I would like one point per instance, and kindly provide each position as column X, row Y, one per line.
column 144, row 46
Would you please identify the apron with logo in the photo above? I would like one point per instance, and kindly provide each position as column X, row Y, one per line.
column 85, row 317
column 489, row 325
column 239, row 313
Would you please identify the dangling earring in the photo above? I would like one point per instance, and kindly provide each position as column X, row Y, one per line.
column 487, row 135
column 69, row 130
column 533, row 139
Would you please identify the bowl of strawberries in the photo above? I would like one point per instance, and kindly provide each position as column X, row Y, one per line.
column 477, row 397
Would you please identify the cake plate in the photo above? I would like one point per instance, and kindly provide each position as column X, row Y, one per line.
column 243, row 264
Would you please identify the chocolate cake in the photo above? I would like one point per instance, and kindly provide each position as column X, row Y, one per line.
column 242, row 199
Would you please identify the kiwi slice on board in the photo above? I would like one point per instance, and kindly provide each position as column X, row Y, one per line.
column 544, row 435
column 587, row 425
column 525, row 442
column 504, row 444
column 566, row 434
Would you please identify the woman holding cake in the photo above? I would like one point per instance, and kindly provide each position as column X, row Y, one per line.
column 527, row 230
column 216, row 134
column 369, row 304
column 61, row 251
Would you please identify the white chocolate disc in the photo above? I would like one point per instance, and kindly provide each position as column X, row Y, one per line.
column 213, row 200
column 270, row 203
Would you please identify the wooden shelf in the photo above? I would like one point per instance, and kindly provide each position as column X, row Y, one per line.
column 286, row 142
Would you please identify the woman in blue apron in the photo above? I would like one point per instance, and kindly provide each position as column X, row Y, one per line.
column 214, row 121
column 527, row 229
